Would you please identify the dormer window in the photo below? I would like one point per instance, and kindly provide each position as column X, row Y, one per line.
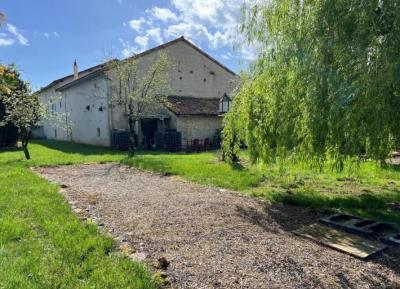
column 225, row 104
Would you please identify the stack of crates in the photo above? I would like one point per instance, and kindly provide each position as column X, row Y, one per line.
column 170, row 140
column 120, row 139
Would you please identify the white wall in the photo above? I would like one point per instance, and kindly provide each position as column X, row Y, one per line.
column 85, row 124
column 90, row 126
column 53, row 128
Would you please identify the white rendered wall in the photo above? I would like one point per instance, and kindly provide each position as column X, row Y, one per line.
column 87, row 126
column 87, row 107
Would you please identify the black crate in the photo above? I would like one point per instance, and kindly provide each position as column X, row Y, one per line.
column 169, row 140
column 120, row 139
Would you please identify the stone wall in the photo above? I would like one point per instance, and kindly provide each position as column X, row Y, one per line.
column 198, row 127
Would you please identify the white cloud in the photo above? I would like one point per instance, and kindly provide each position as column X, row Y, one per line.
column 163, row 14
column 127, row 50
column 137, row 24
column 211, row 24
column 226, row 56
column 143, row 42
column 248, row 53
column 207, row 10
column 155, row 35
column 51, row 34
column 14, row 31
column 192, row 31
column 5, row 40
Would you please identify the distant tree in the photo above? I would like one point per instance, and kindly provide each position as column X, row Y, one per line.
column 3, row 18
column 326, row 83
column 21, row 108
column 139, row 89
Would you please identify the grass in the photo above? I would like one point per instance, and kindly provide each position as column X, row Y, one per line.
column 365, row 190
column 43, row 244
column 202, row 168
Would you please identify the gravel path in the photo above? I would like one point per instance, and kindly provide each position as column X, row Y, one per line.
column 213, row 238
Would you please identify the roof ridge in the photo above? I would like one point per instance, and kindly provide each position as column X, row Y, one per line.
column 161, row 46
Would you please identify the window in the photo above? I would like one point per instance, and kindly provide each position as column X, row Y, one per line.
column 60, row 103
column 55, row 133
column 98, row 132
column 225, row 104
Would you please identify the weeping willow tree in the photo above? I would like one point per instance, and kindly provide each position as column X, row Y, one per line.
column 326, row 84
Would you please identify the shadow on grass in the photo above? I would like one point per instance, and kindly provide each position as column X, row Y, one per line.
column 237, row 166
column 152, row 164
column 85, row 149
column 74, row 148
column 391, row 167
column 365, row 205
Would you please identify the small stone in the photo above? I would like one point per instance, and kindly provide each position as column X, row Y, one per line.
column 217, row 283
column 122, row 239
column 126, row 249
column 138, row 256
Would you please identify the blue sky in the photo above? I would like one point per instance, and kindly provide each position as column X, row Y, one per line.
column 44, row 37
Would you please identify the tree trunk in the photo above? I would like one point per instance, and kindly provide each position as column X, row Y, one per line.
column 132, row 137
column 25, row 136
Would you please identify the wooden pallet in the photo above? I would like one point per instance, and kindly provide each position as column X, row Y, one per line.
column 340, row 240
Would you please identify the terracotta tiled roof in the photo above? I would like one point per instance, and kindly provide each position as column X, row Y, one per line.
column 182, row 105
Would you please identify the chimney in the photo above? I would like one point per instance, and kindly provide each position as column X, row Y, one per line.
column 76, row 73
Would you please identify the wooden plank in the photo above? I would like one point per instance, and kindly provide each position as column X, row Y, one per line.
column 343, row 241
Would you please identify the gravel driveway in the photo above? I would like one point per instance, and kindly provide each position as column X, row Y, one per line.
column 213, row 238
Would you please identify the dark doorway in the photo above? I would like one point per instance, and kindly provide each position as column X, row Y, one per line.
column 149, row 127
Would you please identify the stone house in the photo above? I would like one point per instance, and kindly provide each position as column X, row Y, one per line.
column 200, row 92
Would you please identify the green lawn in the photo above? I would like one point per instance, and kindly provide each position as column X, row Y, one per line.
column 365, row 190
column 43, row 245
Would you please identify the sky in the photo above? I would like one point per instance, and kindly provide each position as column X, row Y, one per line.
column 44, row 37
